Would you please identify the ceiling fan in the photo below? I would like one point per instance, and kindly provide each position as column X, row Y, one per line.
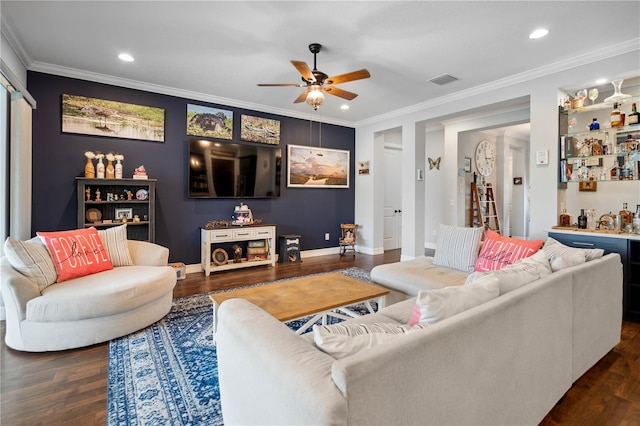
column 317, row 82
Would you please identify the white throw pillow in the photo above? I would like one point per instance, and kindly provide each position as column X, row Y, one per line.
column 510, row 277
column 562, row 256
column 114, row 240
column 346, row 338
column 457, row 247
column 436, row 305
column 32, row 259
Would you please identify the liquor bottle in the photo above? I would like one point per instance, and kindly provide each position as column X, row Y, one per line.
column 565, row 219
column 616, row 116
column 626, row 214
column 634, row 117
column 614, row 172
column 582, row 220
column 607, row 148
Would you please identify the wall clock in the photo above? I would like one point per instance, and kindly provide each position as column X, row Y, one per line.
column 485, row 158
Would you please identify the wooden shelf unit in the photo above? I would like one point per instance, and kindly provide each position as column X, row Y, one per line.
column 145, row 230
column 209, row 237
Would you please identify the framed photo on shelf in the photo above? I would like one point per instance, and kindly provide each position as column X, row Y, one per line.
column 123, row 213
column 310, row 167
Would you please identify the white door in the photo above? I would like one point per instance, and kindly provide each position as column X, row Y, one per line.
column 392, row 236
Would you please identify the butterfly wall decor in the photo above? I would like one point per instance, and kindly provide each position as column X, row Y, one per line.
column 434, row 163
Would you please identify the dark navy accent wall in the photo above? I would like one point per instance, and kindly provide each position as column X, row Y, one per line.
column 59, row 157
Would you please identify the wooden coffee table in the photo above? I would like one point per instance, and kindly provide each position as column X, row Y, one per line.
column 320, row 296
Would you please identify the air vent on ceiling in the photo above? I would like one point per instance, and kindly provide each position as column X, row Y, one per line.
column 443, row 79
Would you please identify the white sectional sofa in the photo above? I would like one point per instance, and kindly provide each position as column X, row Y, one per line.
column 504, row 362
column 90, row 309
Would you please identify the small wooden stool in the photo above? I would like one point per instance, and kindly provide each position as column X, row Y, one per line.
column 348, row 238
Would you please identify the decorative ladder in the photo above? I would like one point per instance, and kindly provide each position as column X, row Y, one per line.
column 483, row 212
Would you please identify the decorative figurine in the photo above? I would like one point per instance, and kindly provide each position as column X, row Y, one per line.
column 136, row 218
column 98, row 195
column 140, row 172
column 237, row 253
column 89, row 170
column 109, row 196
column 129, row 194
column 87, row 192
column 119, row 158
column 110, row 171
column 100, row 166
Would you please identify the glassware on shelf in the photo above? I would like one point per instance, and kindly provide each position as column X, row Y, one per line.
column 617, row 96
column 593, row 95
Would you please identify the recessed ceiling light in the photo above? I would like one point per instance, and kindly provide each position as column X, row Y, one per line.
column 601, row 81
column 344, row 106
column 539, row 33
column 125, row 57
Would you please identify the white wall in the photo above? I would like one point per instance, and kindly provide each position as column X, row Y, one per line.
column 543, row 93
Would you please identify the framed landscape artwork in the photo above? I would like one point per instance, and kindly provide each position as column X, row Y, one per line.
column 258, row 129
column 100, row 117
column 310, row 167
column 209, row 122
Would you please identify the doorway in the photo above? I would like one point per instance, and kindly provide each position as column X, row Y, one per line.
column 392, row 234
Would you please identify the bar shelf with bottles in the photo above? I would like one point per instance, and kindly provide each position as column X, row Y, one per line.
column 599, row 151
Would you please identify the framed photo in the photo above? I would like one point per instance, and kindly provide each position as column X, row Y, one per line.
column 310, row 167
column 517, row 181
column 100, row 117
column 123, row 213
column 363, row 168
column 209, row 122
column 467, row 164
column 258, row 129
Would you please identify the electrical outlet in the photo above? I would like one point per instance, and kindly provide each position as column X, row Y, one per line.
column 326, row 236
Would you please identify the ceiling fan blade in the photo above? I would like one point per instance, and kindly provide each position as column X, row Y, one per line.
column 350, row 76
column 281, row 85
column 345, row 94
column 301, row 98
column 304, row 70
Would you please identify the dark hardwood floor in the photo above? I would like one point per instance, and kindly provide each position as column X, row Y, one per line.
column 70, row 387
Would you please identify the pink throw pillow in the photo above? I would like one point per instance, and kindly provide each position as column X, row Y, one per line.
column 498, row 251
column 76, row 253
column 415, row 315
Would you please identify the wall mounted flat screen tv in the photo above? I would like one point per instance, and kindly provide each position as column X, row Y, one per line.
column 230, row 170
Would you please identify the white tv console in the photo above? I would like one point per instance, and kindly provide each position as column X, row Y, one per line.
column 231, row 235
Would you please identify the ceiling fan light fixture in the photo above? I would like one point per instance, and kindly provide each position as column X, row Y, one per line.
column 315, row 97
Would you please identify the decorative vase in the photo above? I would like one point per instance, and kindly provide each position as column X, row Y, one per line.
column 110, row 170
column 89, row 170
column 118, row 170
column 617, row 96
column 100, row 169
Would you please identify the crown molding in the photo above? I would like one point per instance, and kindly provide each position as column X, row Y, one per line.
column 564, row 65
column 172, row 91
column 6, row 28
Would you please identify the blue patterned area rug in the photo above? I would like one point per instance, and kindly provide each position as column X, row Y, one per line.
column 167, row 373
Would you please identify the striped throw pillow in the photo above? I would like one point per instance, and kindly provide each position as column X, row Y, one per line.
column 32, row 259
column 114, row 241
column 561, row 256
column 457, row 247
